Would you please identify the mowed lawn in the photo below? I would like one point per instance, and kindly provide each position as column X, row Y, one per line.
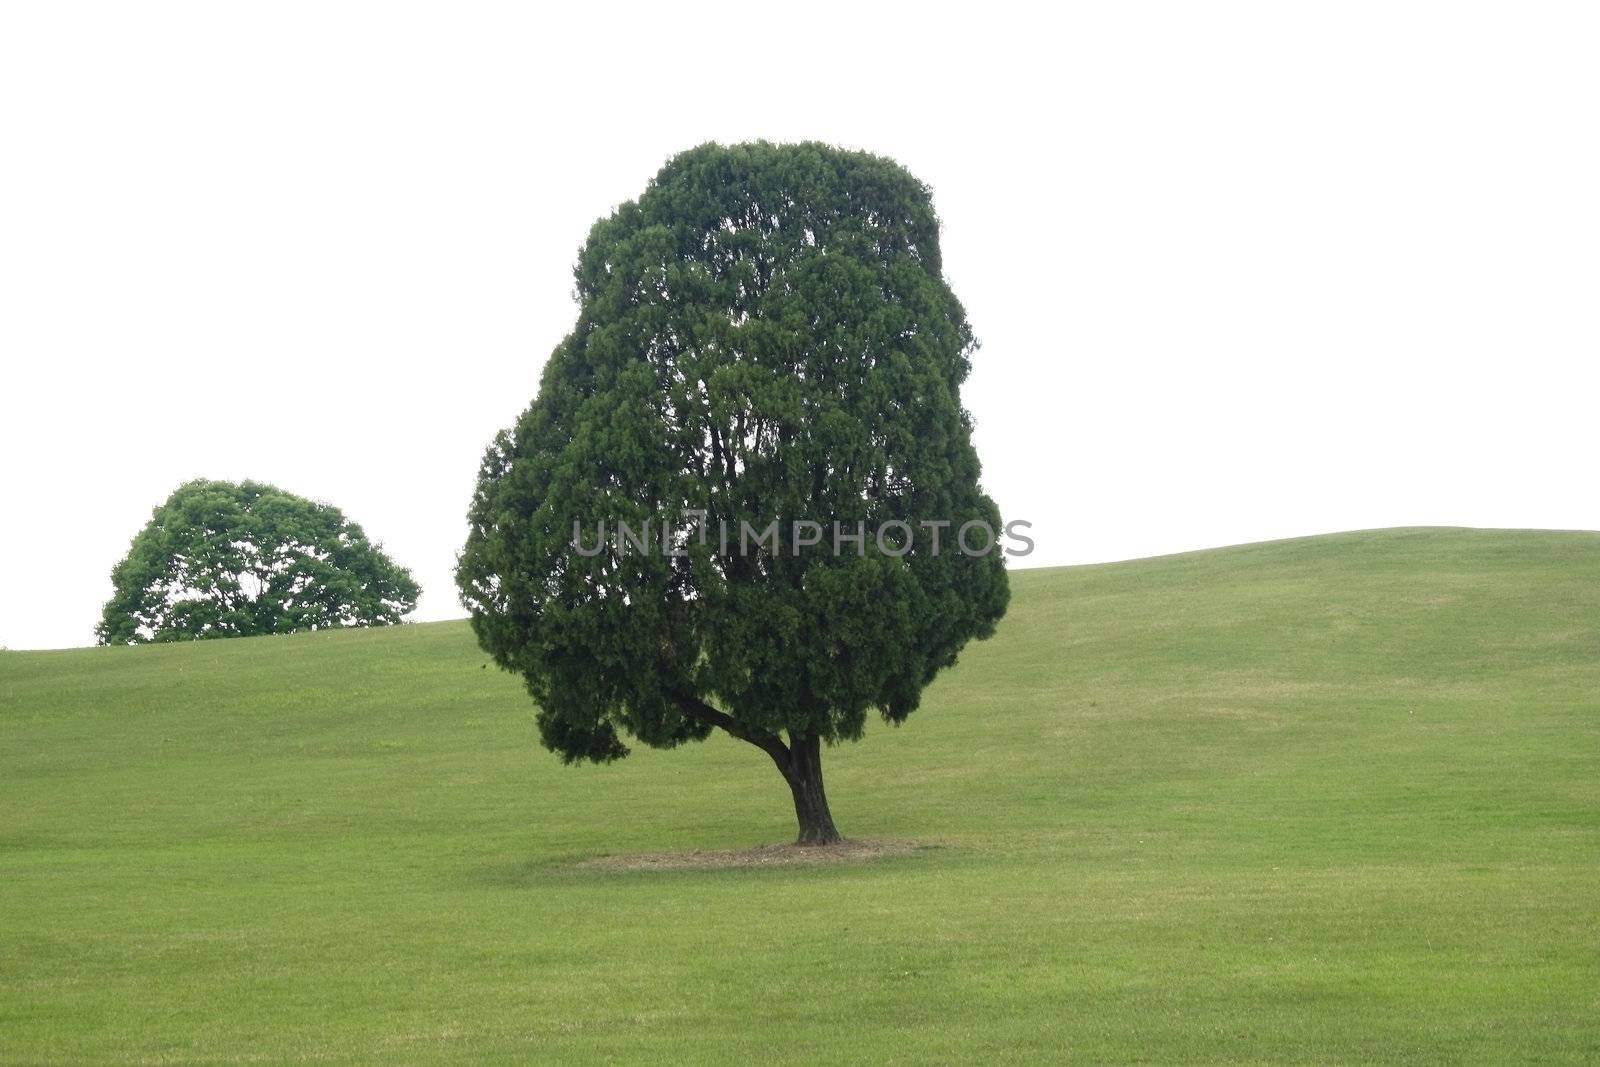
column 1326, row 800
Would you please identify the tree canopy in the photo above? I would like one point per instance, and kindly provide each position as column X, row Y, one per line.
column 233, row 559
column 764, row 336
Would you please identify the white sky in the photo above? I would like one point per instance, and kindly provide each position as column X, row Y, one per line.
column 1241, row 271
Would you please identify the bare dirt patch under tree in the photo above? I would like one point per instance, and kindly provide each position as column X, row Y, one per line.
column 760, row 856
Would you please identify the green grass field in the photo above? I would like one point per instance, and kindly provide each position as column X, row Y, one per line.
column 1326, row 800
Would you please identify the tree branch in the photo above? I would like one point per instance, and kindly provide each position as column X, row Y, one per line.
column 771, row 744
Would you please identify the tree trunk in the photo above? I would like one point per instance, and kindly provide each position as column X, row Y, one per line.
column 800, row 763
column 804, row 775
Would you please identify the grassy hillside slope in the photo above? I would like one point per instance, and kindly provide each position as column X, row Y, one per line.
column 1335, row 799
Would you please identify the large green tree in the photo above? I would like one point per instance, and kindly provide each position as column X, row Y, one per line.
column 232, row 559
column 765, row 335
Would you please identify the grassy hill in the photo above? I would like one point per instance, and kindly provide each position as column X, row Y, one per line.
column 1334, row 799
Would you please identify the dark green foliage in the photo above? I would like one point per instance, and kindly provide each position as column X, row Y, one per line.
column 226, row 559
column 764, row 335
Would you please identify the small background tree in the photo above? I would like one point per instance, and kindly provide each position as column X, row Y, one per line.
column 766, row 334
column 226, row 559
